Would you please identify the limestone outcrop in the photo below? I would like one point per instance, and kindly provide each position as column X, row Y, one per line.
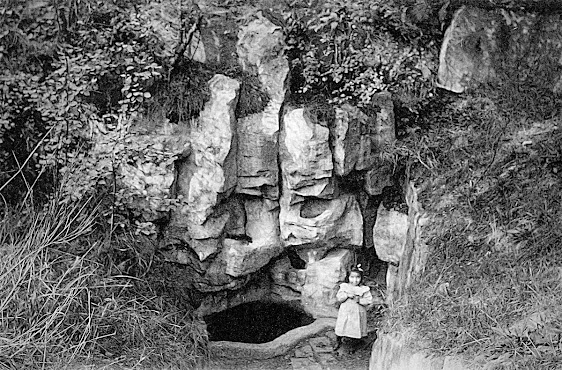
column 321, row 222
column 244, row 192
column 306, row 158
column 262, row 227
column 352, row 142
column 260, row 50
column 151, row 174
column 482, row 45
column 208, row 174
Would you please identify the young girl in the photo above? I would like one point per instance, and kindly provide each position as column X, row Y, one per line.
column 352, row 315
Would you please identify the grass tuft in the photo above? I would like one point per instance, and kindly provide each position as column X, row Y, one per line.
column 62, row 302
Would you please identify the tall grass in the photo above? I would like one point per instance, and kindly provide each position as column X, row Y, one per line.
column 43, row 289
column 492, row 289
column 58, row 304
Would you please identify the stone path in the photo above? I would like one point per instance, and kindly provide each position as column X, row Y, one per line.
column 314, row 353
column 317, row 354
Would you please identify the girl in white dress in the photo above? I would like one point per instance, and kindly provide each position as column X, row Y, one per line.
column 352, row 315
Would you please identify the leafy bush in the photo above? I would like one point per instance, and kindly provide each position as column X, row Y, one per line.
column 349, row 51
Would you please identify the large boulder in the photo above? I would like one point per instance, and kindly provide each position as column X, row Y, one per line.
column 480, row 43
column 321, row 222
column 260, row 50
column 323, row 278
column 306, row 159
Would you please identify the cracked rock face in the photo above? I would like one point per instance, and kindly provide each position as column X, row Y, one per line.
column 250, row 190
column 306, row 159
column 260, row 48
column 262, row 227
column 319, row 222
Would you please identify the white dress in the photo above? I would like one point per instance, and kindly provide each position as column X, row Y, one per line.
column 352, row 316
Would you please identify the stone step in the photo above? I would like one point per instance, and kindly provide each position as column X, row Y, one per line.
column 305, row 364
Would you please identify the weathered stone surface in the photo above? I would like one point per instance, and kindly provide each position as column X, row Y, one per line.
column 401, row 244
column 378, row 177
column 262, row 226
column 321, row 222
column 257, row 289
column 321, row 345
column 259, row 42
column 392, row 283
column 389, row 234
column 206, row 240
column 306, row 159
column 385, row 126
column 391, row 352
column 351, row 147
column 213, row 148
column 280, row 293
column 416, row 252
column 150, row 178
column 260, row 48
column 322, row 283
column 204, row 276
column 480, row 43
column 359, row 139
column 283, row 274
column 208, row 174
column 305, row 363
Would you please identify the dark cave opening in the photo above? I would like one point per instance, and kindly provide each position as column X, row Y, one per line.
column 255, row 322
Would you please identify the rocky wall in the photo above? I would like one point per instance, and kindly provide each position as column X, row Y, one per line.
column 247, row 190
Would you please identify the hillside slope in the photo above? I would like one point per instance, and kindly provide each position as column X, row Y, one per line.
column 490, row 166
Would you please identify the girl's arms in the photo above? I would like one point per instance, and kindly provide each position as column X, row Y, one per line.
column 342, row 294
column 366, row 298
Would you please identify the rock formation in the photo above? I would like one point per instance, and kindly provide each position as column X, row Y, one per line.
column 248, row 192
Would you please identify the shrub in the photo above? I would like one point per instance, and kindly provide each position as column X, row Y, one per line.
column 349, row 51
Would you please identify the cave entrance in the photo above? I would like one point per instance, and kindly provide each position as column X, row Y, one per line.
column 255, row 322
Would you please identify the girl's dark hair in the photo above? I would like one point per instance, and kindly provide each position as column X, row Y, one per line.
column 356, row 270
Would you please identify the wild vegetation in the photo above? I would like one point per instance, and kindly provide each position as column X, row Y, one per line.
column 489, row 166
